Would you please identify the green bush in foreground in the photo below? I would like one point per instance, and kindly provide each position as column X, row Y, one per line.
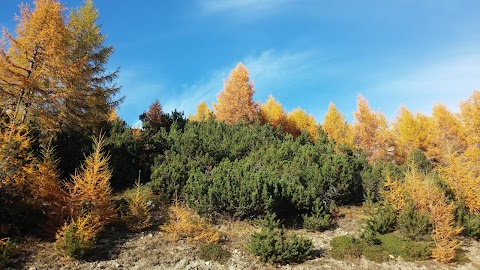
column 413, row 225
column 319, row 220
column 214, row 252
column 6, row 246
column 389, row 244
column 471, row 225
column 274, row 246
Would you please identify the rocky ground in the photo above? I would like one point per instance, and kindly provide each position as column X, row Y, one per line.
column 150, row 250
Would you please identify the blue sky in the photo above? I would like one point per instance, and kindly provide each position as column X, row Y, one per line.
column 305, row 53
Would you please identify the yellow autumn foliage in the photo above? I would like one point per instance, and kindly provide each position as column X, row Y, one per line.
column 235, row 103
column 185, row 224
column 462, row 174
column 138, row 217
column 79, row 234
column 298, row 121
column 336, row 127
column 90, row 190
column 371, row 132
column 273, row 113
column 429, row 199
column 203, row 113
column 48, row 191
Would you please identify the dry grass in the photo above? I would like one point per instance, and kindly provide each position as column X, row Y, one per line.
column 185, row 224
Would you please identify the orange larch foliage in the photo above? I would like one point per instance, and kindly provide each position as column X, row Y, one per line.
column 462, row 173
column 429, row 199
column 394, row 193
column 470, row 115
column 446, row 137
column 273, row 113
column 35, row 73
column 90, row 190
column 411, row 132
column 372, row 133
column 155, row 116
column 235, row 103
column 336, row 127
column 16, row 161
column 48, row 190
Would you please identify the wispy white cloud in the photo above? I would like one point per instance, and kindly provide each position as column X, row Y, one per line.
column 270, row 70
column 139, row 93
column 241, row 6
column 447, row 79
column 192, row 95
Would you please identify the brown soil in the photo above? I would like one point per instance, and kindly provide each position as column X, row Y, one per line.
column 118, row 249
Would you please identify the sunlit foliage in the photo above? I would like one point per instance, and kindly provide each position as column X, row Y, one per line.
column 235, row 103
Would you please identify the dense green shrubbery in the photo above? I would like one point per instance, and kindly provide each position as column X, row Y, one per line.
column 273, row 245
column 414, row 225
column 380, row 219
column 318, row 220
column 471, row 225
column 250, row 170
column 386, row 245
column 469, row 222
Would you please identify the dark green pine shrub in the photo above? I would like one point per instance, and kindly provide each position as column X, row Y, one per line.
column 380, row 219
column 318, row 220
column 274, row 246
column 471, row 224
column 414, row 225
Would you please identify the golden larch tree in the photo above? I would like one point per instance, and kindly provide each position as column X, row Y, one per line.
column 48, row 191
column 371, row 132
column 53, row 73
column 203, row 113
column 235, row 103
column 299, row 121
column 94, row 97
column 273, row 113
column 429, row 199
column 35, row 73
column 411, row 132
column 446, row 135
column 470, row 115
column 336, row 127
column 461, row 171
column 90, row 190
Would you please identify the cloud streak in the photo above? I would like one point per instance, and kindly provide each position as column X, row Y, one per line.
column 270, row 70
column 210, row 7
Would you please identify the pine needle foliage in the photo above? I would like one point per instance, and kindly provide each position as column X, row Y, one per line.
column 275, row 246
column 138, row 217
column 428, row 199
column 90, row 190
column 185, row 224
column 16, row 160
column 74, row 239
column 47, row 189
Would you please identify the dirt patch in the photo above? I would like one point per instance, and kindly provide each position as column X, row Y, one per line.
column 150, row 250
